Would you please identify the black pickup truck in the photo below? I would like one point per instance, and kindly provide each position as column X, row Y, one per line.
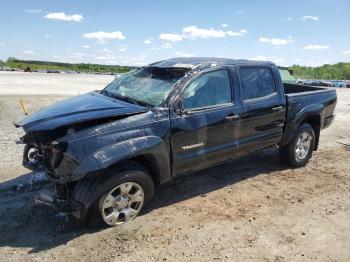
column 106, row 151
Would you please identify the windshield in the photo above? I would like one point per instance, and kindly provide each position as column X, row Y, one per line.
column 145, row 86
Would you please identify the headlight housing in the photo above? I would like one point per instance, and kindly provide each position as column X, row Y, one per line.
column 56, row 153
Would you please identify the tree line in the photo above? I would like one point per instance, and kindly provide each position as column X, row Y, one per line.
column 340, row 71
column 29, row 66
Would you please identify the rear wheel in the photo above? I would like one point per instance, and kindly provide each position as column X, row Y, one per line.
column 123, row 195
column 298, row 152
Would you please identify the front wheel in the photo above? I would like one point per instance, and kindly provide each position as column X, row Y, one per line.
column 123, row 195
column 299, row 150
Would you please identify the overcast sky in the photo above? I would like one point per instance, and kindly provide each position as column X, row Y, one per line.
column 139, row 32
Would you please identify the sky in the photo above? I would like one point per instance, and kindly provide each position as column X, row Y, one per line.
column 304, row 32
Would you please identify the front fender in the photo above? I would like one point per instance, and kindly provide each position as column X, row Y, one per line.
column 113, row 154
column 294, row 120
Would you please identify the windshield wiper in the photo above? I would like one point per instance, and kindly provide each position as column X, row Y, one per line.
column 126, row 98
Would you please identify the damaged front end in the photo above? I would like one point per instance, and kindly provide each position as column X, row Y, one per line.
column 60, row 199
column 48, row 143
column 52, row 160
column 43, row 158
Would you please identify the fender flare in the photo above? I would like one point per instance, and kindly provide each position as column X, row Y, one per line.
column 115, row 153
column 299, row 117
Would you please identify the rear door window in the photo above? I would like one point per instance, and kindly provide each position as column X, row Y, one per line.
column 256, row 82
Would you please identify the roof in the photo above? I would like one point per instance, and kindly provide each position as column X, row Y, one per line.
column 190, row 62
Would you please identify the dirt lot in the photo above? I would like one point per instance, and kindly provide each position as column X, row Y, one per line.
column 42, row 83
column 253, row 209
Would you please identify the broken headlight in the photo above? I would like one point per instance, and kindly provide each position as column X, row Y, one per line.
column 33, row 157
column 56, row 153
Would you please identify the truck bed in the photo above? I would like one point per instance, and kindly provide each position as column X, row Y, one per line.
column 316, row 100
column 294, row 88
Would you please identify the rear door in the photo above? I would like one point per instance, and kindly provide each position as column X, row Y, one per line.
column 203, row 134
column 263, row 108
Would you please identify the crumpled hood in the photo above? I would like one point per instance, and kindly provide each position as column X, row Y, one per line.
column 78, row 109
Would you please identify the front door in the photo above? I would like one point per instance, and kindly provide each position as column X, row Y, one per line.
column 204, row 133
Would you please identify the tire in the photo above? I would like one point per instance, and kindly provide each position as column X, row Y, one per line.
column 122, row 195
column 299, row 150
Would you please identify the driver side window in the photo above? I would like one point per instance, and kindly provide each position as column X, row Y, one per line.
column 209, row 89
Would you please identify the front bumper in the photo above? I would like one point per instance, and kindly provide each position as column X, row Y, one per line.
column 65, row 207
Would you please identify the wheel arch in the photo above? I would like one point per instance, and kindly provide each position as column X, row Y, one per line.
column 315, row 122
column 313, row 115
column 149, row 151
column 86, row 191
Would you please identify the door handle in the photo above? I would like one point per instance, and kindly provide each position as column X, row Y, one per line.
column 277, row 108
column 232, row 117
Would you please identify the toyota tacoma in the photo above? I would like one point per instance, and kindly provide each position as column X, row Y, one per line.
column 106, row 151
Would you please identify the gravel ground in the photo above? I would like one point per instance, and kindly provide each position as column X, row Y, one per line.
column 42, row 83
column 36, row 90
column 253, row 209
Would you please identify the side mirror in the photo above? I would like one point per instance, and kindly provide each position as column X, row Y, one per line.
column 179, row 108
